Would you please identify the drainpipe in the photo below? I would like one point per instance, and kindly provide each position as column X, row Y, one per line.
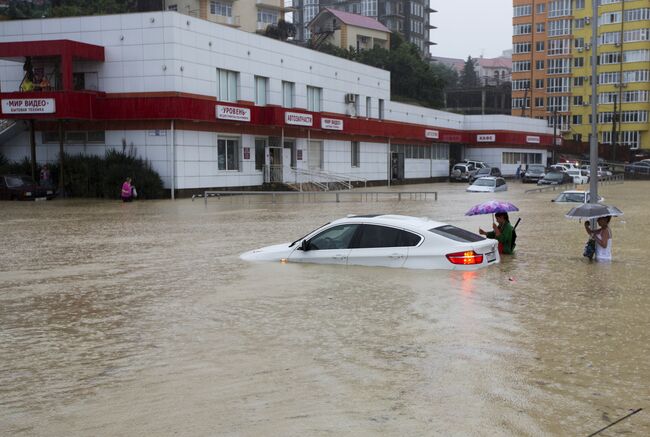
column 32, row 147
column 173, row 172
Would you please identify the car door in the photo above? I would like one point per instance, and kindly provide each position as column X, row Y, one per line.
column 379, row 245
column 330, row 246
column 501, row 185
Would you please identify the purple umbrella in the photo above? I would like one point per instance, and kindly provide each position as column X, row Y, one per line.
column 491, row 207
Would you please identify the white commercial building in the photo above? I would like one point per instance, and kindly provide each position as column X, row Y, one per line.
column 213, row 107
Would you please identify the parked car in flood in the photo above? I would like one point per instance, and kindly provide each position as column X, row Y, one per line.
column 462, row 172
column 533, row 173
column 579, row 176
column 641, row 167
column 485, row 171
column 386, row 241
column 488, row 184
column 22, row 187
column 555, row 178
column 575, row 196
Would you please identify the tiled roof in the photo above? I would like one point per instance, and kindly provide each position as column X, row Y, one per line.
column 357, row 20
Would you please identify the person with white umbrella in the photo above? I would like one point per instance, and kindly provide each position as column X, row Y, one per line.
column 601, row 238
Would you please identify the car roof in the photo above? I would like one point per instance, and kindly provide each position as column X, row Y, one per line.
column 403, row 221
column 574, row 192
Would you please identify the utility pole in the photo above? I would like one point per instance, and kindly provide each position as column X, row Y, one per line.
column 593, row 143
column 554, row 132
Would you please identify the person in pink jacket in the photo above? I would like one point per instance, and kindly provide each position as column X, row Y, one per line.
column 127, row 191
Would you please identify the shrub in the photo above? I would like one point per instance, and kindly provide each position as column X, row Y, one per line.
column 94, row 176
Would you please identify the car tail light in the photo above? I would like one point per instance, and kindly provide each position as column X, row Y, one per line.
column 465, row 258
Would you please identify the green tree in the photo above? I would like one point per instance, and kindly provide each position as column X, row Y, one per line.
column 468, row 77
column 72, row 8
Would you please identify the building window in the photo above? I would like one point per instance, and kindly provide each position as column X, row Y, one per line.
column 314, row 96
column 539, row 46
column 355, row 153
column 172, row 8
column 219, row 8
column 227, row 84
column 288, row 90
column 539, row 102
column 539, row 64
column 579, row 62
column 228, row 154
column 368, row 107
column 260, row 90
column 540, row 8
column 267, row 16
column 577, row 101
column 539, row 27
column 579, row 4
column 75, row 137
column 521, row 158
column 381, row 109
column 576, row 119
column 539, row 83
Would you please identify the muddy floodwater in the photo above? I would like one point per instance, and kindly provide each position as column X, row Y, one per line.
column 140, row 319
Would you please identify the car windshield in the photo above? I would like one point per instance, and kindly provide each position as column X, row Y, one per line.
column 571, row 197
column 456, row 234
column 573, row 172
column 536, row 168
column 17, row 181
column 484, row 182
column 303, row 237
column 554, row 176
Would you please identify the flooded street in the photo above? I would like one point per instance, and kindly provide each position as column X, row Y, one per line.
column 140, row 319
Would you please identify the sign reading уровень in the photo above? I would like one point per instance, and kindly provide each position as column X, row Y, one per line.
column 233, row 113
column 28, row 106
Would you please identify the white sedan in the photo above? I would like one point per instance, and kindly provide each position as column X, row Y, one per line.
column 575, row 196
column 387, row 241
column 488, row 184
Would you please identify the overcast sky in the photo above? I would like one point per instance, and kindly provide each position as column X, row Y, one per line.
column 471, row 28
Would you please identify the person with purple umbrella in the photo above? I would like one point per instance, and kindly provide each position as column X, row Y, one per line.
column 503, row 232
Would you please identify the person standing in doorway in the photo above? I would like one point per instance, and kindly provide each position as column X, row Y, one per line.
column 127, row 191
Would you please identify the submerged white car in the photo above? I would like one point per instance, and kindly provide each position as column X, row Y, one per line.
column 387, row 241
column 488, row 184
column 575, row 196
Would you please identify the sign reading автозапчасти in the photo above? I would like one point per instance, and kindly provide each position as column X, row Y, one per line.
column 28, row 106
column 298, row 119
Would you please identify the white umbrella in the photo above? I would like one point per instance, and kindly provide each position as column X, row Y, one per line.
column 588, row 211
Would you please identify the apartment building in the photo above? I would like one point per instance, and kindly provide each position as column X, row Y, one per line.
column 409, row 18
column 551, row 76
column 247, row 15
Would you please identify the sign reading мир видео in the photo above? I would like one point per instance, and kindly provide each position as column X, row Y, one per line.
column 331, row 123
column 532, row 139
column 28, row 106
column 298, row 119
column 233, row 113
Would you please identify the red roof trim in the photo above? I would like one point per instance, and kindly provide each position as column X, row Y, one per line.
column 57, row 47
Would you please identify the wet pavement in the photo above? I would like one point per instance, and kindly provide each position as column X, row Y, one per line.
column 140, row 319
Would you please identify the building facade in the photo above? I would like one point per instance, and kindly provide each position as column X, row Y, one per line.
column 247, row 15
column 408, row 18
column 552, row 67
column 344, row 30
column 210, row 106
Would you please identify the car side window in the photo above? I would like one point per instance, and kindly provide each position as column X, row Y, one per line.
column 372, row 236
column 500, row 182
column 337, row 237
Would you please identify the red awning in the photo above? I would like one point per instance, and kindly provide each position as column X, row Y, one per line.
column 18, row 50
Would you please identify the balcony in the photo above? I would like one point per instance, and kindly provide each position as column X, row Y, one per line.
column 276, row 5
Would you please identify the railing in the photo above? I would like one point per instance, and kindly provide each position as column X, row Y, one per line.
column 6, row 124
column 326, row 181
column 614, row 179
column 318, row 196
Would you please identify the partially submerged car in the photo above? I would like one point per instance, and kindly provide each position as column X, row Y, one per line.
column 555, row 178
column 579, row 176
column 23, row 187
column 485, row 171
column 386, row 241
column 533, row 173
column 575, row 196
column 488, row 184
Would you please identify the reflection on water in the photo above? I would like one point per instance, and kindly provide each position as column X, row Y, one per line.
column 140, row 319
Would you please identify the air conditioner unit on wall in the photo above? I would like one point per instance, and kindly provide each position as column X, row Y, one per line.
column 580, row 49
column 350, row 98
column 587, row 46
column 587, row 20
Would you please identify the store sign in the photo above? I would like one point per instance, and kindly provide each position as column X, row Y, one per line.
column 433, row 134
column 331, row 123
column 486, row 138
column 532, row 140
column 28, row 106
column 233, row 113
column 298, row 119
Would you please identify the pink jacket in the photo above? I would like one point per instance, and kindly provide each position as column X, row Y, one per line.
column 126, row 190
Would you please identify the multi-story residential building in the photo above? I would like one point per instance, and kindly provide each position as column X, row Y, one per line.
column 247, row 15
column 551, row 76
column 409, row 18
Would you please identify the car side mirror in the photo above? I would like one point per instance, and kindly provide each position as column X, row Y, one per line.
column 304, row 245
